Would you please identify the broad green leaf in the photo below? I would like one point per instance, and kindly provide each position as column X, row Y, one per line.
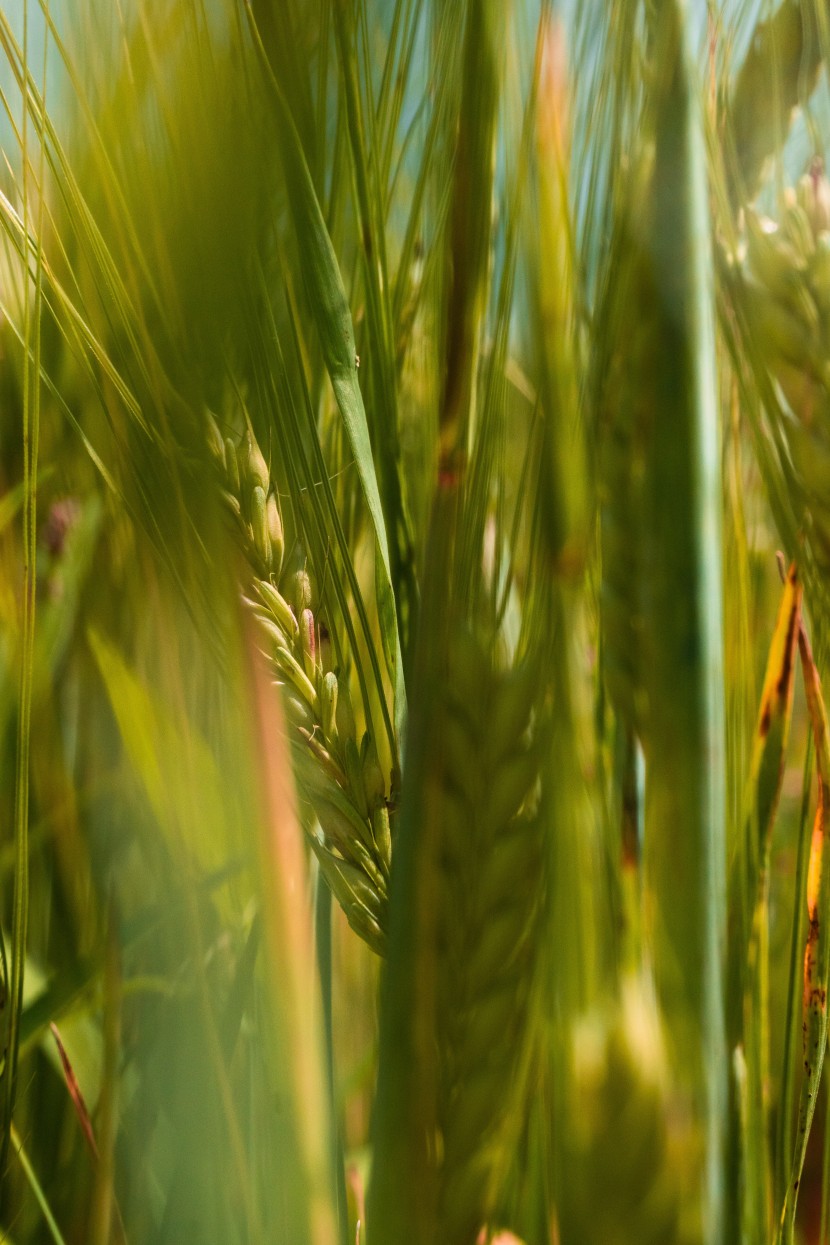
column 173, row 762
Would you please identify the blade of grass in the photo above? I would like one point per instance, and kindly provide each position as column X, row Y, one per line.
column 748, row 967
column 105, row 1217
column 825, row 1182
column 31, row 434
column 370, row 199
column 817, row 950
column 36, row 1187
column 790, row 1064
column 323, row 948
column 313, row 478
column 75, row 1093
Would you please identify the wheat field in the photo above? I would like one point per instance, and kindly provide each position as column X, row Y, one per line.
column 414, row 574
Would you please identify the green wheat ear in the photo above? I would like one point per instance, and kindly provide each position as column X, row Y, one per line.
column 487, row 915
column 780, row 289
column 344, row 792
column 474, row 930
column 779, row 72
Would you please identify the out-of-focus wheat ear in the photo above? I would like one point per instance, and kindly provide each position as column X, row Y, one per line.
column 617, row 1135
column 479, row 875
column 685, row 827
column 429, row 1121
column 492, row 896
column 781, row 297
column 779, row 72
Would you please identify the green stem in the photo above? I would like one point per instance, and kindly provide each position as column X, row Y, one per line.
column 685, row 848
column 36, row 1187
column 322, row 941
column 792, row 1026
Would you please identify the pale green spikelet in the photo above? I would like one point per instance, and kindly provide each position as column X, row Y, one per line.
column 373, row 785
column 259, row 525
column 299, row 712
column 275, row 534
column 292, row 670
column 774, row 259
column 278, row 606
column 344, row 715
column 253, row 468
column 328, row 702
column 232, row 467
column 358, row 900
column 308, row 644
column 382, row 832
column 299, row 591
column 216, row 442
column 354, row 769
column 797, row 227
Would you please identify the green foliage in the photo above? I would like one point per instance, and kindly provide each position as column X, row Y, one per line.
column 403, row 404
